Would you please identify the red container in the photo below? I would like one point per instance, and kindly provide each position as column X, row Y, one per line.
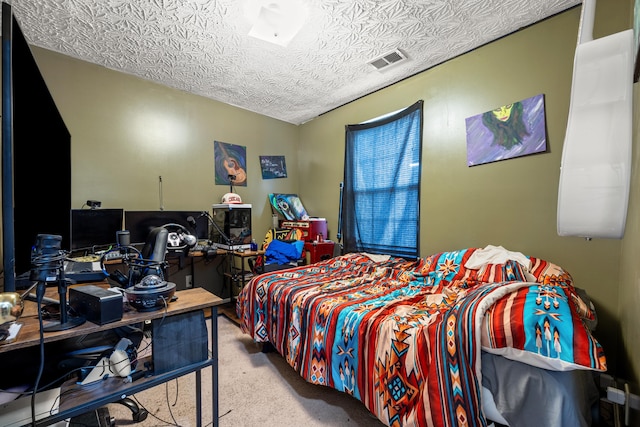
column 311, row 228
column 318, row 251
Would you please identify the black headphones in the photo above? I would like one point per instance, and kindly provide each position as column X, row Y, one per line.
column 126, row 254
column 151, row 259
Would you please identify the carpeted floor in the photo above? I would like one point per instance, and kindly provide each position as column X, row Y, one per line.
column 256, row 389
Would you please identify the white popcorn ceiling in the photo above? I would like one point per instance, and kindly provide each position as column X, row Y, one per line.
column 202, row 46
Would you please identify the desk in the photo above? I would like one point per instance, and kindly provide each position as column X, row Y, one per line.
column 75, row 401
column 186, row 270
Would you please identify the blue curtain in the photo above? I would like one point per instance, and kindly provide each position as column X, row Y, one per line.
column 381, row 196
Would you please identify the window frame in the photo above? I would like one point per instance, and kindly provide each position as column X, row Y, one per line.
column 358, row 199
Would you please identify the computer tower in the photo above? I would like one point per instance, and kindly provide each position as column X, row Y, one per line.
column 231, row 226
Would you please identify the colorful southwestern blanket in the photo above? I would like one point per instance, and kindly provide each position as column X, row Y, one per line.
column 405, row 337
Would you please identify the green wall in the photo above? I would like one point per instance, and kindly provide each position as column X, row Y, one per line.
column 127, row 132
column 510, row 203
column 629, row 285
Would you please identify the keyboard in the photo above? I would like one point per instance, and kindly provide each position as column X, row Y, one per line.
column 201, row 246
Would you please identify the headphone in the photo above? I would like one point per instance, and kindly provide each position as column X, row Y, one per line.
column 151, row 260
column 145, row 287
column 126, row 253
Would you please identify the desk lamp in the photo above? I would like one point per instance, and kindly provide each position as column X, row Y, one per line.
column 47, row 266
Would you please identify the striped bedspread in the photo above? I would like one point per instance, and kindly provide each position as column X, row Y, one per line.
column 404, row 337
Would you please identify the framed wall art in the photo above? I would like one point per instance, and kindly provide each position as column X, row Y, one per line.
column 273, row 167
column 512, row 130
column 230, row 164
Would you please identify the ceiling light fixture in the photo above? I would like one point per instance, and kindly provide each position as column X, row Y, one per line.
column 275, row 21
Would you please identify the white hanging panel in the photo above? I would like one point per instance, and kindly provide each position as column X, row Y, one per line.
column 596, row 160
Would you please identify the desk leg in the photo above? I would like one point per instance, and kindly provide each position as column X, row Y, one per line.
column 199, row 398
column 214, row 366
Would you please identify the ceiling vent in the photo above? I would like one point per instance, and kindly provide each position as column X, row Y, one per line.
column 389, row 59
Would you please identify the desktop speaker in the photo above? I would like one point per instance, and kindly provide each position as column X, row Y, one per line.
column 96, row 304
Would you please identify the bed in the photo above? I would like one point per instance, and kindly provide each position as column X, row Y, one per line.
column 460, row 338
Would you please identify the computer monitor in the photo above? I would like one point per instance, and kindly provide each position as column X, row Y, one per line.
column 36, row 157
column 94, row 227
column 140, row 223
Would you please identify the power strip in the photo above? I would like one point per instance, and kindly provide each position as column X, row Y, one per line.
column 112, row 255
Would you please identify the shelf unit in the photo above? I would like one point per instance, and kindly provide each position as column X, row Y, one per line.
column 236, row 276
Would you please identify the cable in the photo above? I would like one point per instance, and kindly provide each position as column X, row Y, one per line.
column 166, row 390
column 40, row 294
column 153, row 415
column 160, row 192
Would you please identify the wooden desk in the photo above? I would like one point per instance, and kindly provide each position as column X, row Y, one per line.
column 75, row 400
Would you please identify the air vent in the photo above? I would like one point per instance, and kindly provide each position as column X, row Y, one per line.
column 388, row 59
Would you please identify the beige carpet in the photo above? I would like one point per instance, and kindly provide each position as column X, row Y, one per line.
column 256, row 389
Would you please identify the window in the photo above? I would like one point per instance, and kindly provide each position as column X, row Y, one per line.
column 381, row 195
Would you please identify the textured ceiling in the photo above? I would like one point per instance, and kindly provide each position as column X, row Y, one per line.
column 202, row 46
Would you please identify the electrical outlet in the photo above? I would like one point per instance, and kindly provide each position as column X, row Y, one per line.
column 189, row 281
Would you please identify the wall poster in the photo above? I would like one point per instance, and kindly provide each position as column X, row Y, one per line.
column 289, row 206
column 230, row 164
column 273, row 167
column 509, row 131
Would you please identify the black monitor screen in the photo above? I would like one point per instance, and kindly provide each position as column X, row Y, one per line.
column 140, row 223
column 94, row 227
